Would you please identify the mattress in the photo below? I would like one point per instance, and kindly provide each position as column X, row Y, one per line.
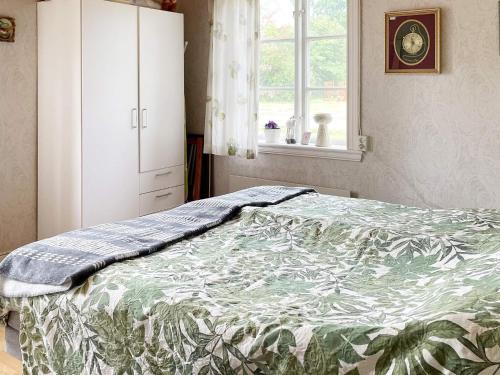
column 314, row 285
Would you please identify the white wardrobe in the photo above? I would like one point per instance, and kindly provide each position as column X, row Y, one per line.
column 111, row 118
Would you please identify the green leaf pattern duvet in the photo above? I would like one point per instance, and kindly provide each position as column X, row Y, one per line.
column 314, row 285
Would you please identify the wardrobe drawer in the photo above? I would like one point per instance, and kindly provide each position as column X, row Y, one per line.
column 161, row 200
column 162, row 179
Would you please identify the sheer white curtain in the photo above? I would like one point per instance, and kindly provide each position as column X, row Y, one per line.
column 232, row 103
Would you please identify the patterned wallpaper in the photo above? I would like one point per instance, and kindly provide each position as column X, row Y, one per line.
column 18, row 128
column 436, row 138
column 197, row 34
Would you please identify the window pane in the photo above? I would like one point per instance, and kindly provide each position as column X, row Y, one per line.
column 277, row 106
column 276, row 19
column 277, row 64
column 327, row 17
column 333, row 102
column 328, row 63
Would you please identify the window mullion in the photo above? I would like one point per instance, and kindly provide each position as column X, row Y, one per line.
column 304, row 65
column 298, row 72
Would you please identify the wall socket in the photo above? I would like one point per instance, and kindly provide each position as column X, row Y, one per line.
column 364, row 143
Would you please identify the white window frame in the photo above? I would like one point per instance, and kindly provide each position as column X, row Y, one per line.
column 352, row 152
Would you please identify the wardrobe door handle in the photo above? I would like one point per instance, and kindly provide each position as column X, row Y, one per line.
column 144, row 118
column 135, row 119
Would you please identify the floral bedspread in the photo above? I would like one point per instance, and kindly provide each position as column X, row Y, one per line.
column 314, row 285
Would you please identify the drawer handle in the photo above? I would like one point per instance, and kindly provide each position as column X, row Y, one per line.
column 163, row 195
column 163, row 174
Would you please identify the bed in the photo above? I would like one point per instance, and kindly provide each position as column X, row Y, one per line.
column 313, row 285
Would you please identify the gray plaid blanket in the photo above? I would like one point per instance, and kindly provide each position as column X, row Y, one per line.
column 59, row 263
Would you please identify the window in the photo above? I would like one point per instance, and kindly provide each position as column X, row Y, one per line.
column 309, row 63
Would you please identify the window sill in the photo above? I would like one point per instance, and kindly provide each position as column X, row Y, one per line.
column 311, row 152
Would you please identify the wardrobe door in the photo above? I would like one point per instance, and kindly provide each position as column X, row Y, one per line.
column 161, row 93
column 109, row 109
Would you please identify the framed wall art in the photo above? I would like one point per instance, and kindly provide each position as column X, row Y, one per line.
column 413, row 41
column 7, row 29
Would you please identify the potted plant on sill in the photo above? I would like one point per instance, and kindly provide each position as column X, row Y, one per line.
column 272, row 132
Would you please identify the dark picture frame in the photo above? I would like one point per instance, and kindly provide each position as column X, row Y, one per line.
column 7, row 29
column 413, row 41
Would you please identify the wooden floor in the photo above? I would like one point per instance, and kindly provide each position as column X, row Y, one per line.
column 8, row 365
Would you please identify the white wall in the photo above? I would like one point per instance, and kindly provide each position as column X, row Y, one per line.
column 18, row 128
column 436, row 137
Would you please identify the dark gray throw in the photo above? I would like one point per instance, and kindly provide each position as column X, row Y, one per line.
column 57, row 264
